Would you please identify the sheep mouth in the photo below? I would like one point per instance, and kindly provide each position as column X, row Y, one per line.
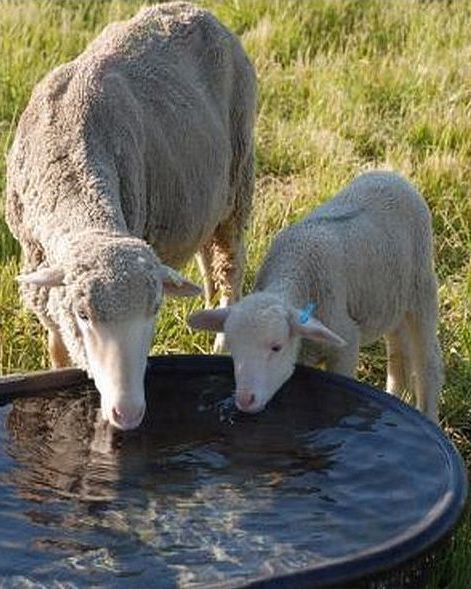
column 123, row 422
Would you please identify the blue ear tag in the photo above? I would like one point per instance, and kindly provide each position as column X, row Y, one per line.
column 306, row 313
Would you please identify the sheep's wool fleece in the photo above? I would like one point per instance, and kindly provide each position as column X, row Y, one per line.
column 145, row 134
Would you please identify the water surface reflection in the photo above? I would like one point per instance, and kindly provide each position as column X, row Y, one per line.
column 200, row 494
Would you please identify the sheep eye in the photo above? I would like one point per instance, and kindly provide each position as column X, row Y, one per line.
column 276, row 348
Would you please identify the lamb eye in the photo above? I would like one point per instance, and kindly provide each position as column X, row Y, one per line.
column 83, row 316
column 276, row 348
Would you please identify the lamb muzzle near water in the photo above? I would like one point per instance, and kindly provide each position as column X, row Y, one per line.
column 365, row 261
column 126, row 162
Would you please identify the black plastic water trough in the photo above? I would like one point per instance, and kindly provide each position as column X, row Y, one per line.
column 335, row 484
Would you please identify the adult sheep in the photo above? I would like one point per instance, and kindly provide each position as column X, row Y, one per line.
column 126, row 162
column 365, row 260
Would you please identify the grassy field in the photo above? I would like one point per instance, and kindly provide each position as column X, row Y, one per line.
column 344, row 86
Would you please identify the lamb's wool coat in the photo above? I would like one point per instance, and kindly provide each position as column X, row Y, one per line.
column 142, row 145
column 367, row 253
column 365, row 259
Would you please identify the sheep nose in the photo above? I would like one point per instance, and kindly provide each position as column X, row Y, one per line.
column 126, row 418
column 245, row 400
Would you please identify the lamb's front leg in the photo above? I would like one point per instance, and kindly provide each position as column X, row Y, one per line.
column 345, row 360
column 398, row 346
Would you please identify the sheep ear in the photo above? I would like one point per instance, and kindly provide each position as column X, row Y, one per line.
column 209, row 320
column 314, row 330
column 176, row 285
column 43, row 277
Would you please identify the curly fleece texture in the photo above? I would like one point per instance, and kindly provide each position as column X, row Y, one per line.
column 145, row 140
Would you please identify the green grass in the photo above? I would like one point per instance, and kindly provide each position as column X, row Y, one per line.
column 345, row 85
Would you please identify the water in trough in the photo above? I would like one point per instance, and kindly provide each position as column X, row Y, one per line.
column 202, row 495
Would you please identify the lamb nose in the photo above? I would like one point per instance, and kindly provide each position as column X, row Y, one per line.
column 246, row 400
column 126, row 419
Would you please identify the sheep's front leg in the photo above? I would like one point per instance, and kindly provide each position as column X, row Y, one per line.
column 204, row 260
column 227, row 264
column 57, row 350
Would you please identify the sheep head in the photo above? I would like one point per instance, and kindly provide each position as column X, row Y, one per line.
column 104, row 299
column 263, row 334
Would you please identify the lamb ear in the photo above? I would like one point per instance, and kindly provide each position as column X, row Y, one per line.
column 315, row 330
column 176, row 285
column 43, row 277
column 209, row 319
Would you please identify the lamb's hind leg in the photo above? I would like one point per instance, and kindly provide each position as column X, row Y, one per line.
column 57, row 350
column 398, row 347
column 427, row 365
column 426, row 355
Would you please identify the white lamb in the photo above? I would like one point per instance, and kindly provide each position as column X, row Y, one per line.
column 127, row 161
column 364, row 259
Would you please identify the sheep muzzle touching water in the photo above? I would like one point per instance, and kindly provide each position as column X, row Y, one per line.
column 263, row 335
